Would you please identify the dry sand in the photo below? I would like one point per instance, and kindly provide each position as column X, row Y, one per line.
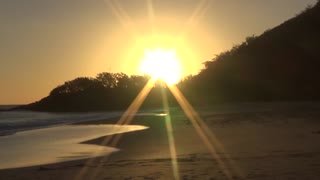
column 265, row 141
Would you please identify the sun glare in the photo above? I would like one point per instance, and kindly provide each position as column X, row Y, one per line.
column 162, row 64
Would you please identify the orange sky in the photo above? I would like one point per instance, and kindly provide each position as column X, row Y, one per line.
column 46, row 42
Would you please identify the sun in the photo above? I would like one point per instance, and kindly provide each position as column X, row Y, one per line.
column 162, row 64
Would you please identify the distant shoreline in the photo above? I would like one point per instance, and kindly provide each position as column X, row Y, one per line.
column 6, row 107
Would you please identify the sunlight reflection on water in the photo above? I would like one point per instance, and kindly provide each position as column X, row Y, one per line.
column 56, row 144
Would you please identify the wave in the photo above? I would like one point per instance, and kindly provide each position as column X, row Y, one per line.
column 13, row 121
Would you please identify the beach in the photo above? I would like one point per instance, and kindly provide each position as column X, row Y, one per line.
column 259, row 141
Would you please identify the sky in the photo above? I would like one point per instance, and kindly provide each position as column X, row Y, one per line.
column 44, row 43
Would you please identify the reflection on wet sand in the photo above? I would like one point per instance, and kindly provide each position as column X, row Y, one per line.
column 56, row 144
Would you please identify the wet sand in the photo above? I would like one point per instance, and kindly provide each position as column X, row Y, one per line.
column 264, row 141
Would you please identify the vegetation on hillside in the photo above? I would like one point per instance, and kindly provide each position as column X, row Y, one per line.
column 281, row 64
column 108, row 91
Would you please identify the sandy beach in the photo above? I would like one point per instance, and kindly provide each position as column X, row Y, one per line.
column 261, row 141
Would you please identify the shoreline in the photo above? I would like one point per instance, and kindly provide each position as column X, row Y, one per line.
column 263, row 144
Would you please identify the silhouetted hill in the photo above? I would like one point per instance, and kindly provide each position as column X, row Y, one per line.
column 108, row 91
column 281, row 64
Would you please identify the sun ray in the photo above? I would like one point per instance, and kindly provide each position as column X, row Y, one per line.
column 205, row 134
column 124, row 19
column 125, row 119
column 131, row 111
column 203, row 131
column 199, row 11
column 172, row 146
column 151, row 16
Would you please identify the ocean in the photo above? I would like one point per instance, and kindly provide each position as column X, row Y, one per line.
column 34, row 138
column 13, row 121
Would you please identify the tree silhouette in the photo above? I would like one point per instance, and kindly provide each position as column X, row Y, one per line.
column 281, row 64
column 107, row 79
column 77, row 85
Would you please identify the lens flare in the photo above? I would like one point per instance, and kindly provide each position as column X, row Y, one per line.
column 163, row 64
column 125, row 119
column 172, row 145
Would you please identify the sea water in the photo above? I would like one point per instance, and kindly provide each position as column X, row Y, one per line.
column 34, row 138
column 12, row 121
